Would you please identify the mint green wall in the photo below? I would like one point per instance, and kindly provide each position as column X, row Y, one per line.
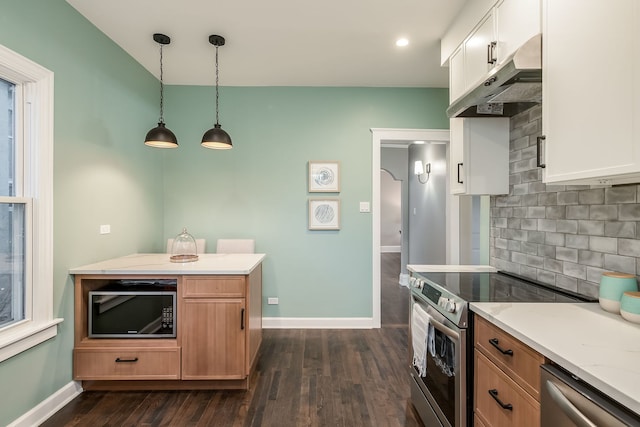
column 259, row 188
column 104, row 104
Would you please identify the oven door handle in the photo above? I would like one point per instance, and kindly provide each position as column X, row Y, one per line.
column 442, row 328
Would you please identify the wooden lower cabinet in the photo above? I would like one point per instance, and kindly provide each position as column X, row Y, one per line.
column 131, row 363
column 219, row 332
column 507, row 382
column 499, row 400
column 213, row 339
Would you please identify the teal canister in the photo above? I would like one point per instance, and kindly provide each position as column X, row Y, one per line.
column 612, row 286
column 630, row 306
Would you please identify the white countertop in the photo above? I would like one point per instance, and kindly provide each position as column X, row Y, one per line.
column 601, row 348
column 445, row 268
column 160, row 264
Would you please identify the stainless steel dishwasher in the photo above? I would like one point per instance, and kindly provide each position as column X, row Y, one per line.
column 566, row 401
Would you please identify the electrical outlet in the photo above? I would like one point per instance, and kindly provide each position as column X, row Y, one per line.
column 105, row 229
column 272, row 301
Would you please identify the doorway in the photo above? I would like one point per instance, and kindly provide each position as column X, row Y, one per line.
column 398, row 137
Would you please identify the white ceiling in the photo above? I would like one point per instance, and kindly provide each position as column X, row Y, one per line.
column 282, row 42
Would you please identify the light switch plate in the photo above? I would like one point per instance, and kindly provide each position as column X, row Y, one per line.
column 365, row 207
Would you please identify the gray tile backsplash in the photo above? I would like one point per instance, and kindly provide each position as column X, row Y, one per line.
column 562, row 235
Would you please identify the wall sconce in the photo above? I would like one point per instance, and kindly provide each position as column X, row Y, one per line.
column 421, row 169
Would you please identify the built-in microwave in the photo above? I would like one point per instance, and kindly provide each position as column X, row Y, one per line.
column 133, row 309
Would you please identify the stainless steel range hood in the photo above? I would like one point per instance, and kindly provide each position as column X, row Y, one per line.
column 509, row 89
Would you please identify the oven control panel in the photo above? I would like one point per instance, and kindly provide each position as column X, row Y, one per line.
column 447, row 304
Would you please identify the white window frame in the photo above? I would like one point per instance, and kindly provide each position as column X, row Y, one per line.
column 34, row 172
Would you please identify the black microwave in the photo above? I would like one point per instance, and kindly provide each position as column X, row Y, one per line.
column 133, row 309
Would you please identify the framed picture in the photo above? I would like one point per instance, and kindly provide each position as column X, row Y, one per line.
column 324, row 177
column 324, row 214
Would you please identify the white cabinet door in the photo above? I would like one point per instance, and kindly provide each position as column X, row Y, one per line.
column 479, row 156
column 591, row 91
column 477, row 51
column 516, row 22
column 456, row 75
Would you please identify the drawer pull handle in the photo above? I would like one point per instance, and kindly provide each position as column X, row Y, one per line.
column 118, row 360
column 242, row 319
column 494, row 394
column 494, row 342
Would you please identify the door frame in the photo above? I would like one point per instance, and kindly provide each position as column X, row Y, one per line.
column 401, row 136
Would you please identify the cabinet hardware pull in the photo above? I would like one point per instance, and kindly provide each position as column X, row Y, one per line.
column 242, row 319
column 491, row 47
column 539, row 152
column 118, row 360
column 494, row 342
column 494, row 394
column 459, row 181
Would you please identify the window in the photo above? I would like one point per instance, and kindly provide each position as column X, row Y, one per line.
column 26, row 204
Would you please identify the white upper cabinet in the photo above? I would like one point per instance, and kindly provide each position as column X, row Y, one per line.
column 479, row 51
column 479, row 156
column 507, row 25
column 591, row 91
column 456, row 75
column 516, row 22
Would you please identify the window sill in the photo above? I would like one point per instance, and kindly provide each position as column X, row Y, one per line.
column 26, row 337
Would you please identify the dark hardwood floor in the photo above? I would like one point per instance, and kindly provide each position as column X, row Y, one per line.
column 303, row 378
column 395, row 298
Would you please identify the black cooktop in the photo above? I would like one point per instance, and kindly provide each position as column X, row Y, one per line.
column 501, row 287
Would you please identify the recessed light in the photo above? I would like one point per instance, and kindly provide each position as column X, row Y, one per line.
column 402, row 42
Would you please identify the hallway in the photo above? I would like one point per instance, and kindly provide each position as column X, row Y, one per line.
column 395, row 298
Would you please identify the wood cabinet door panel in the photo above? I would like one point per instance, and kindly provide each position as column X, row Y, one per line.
column 523, row 364
column 126, row 364
column 523, row 411
column 213, row 339
column 213, row 286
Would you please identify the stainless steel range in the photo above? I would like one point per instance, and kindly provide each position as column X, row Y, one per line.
column 442, row 332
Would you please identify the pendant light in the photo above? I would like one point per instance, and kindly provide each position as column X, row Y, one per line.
column 216, row 137
column 161, row 136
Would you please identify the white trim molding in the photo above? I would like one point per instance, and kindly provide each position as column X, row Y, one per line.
column 392, row 136
column 317, row 323
column 36, row 127
column 49, row 406
column 390, row 249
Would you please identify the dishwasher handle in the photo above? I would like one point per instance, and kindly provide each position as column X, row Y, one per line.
column 567, row 407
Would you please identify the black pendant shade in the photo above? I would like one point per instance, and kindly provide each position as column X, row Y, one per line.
column 161, row 136
column 216, row 137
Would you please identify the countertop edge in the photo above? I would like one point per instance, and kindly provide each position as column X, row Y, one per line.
column 614, row 393
column 174, row 271
column 444, row 268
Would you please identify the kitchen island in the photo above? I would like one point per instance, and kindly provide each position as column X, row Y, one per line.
column 218, row 324
column 600, row 348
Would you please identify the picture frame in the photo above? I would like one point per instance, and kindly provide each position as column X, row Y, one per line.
column 324, row 176
column 324, row 214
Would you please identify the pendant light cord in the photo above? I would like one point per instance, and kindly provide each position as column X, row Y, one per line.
column 161, row 89
column 217, row 96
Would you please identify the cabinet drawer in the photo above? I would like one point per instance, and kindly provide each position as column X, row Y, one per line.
column 490, row 381
column 521, row 363
column 207, row 286
column 126, row 364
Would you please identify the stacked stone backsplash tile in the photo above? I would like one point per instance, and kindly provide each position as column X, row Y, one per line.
column 562, row 235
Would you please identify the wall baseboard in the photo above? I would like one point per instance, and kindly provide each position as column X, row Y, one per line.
column 389, row 249
column 49, row 406
column 317, row 323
